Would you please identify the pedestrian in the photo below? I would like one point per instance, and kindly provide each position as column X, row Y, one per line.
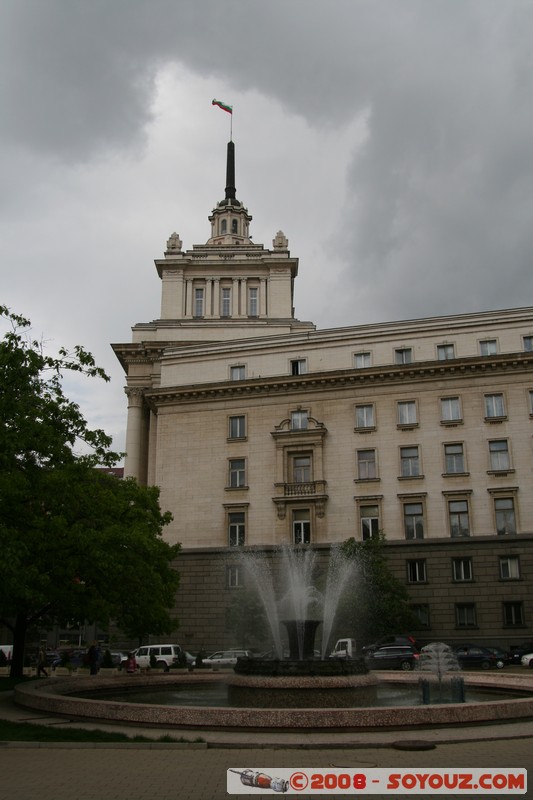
column 131, row 664
column 93, row 656
column 41, row 663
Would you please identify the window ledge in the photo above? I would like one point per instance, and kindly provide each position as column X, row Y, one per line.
column 451, row 423
column 500, row 472
column 411, row 477
column 455, row 474
column 407, row 426
column 367, row 480
column 237, row 439
column 495, row 420
column 368, row 429
column 236, row 488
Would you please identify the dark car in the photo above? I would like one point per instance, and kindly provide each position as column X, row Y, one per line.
column 474, row 657
column 392, row 657
column 400, row 640
column 516, row 653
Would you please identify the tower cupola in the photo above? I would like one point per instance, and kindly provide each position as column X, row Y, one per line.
column 230, row 220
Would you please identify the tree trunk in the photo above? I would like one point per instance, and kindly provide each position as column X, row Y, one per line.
column 19, row 644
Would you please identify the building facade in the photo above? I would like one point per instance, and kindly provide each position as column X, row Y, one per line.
column 261, row 431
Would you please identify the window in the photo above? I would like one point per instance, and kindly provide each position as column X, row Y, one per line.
column 513, row 613
column 413, row 520
column 198, row 302
column 494, row 406
column 505, row 515
column 234, row 226
column 237, row 427
column 225, row 302
column 445, row 352
column 407, row 412
column 528, row 344
column 223, row 226
column 454, row 460
column 421, row 612
column 253, row 304
column 530, row 399
column 462, row 569
column 509, row 568
column 237, row 473
column 234, row 576
column 362, row 360
column 301, row 527
column 465, row 615
column 499, row 455
column 369, row 516
column 416, row 571
column 236, row 528
column 403, row 355
column 366, row 465
column 237, row 373
column 459, row 518
column 450, row 409
column 488, row 347
column 301, row 469
column 409, row 462
column 299, row 420
column 299, row 366
column 364, row 417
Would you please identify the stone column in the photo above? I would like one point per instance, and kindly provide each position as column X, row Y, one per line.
column 236, row 310
column 133, row 466
column 263, row 298
column 216, row 297
column 188, row 299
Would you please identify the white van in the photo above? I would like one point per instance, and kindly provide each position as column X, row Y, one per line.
column 165, row 655
column 344, row 648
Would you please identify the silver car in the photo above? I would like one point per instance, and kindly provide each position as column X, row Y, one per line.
column 226, row 658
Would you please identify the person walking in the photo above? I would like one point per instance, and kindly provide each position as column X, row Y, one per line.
column 41, row 663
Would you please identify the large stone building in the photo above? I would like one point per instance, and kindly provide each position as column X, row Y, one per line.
column 261, row 430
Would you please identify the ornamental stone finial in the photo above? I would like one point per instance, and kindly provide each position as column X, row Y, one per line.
column 280, row 242
column 174, row 242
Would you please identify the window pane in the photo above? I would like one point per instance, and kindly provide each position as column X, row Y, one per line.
column 445, row 352
column 299, row 420
column 299, row 366
column 509, row 567
column 454, row 458
column 362, row 360
column 413, row 521
column 465, row 615
column 450, row 409
column 459, row 521
column 301, row 469
column 236, row 528
column 505, row 515
column 364, row 416
column 237, row 473
column 499, row 455
column 488, row 348
column 198, row 302
column 403, row 355
column 494, row 405
column 225, row 310
column 462, row 569
column 528, row 343
column 237, row 373
column 253, row 307
column 301, row 527
column 369, row 516
column 513, row 613
column 409, row 462
column 407, row 412
column 237, row 427
column 366, row 464
column 416, row 571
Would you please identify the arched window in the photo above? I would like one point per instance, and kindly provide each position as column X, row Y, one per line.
column 234, row 225
column 223, row 226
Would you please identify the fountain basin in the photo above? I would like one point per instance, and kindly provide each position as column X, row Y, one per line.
column 57, row 696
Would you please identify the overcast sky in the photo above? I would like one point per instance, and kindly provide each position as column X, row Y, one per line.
column 391, row 141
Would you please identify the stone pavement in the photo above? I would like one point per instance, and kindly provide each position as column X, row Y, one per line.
column 180, row 771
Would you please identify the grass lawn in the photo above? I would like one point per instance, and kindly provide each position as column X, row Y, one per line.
column 28, row 732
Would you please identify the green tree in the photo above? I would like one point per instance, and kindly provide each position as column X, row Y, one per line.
column 379, row 603
column 76, row 542
column 246, row 618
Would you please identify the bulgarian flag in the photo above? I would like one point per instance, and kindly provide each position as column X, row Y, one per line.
column 223, row 106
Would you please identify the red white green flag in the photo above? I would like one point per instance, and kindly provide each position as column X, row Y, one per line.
column 223, row 106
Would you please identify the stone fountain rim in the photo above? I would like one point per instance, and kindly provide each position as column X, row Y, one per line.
column 56, row 696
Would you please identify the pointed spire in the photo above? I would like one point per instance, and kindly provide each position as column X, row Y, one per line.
column 230, row 173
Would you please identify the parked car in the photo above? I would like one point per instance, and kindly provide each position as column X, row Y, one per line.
column 165, row 655
column 392, row 657
column 527, row 660
column 501, row 655
column 73, row 658
column 400, row 640
column 116, row 657
column 474, row 656
column 226, row 658
column 516, row 653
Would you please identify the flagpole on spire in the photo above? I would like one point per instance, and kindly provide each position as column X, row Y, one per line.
column 229, row 110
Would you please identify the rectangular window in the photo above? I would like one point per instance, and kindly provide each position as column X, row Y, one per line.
column 505, row 515
column 364, row 417
column 198, row 302
column 465, row 615
column 237, row 373
column 462, row 569
column 366, row 465
column 253, row 302
column 488, row 347
column 416, row 571
column 413, row 520
column 237, row 427
column 459, row 518
column 369, row 516
column 530, row 398
column 409, row 462
column 234, row 576
column 299, row 420
column 237, row 473
column 499, row 455
column 494, row 406
column 301, row 469
column 509, row 568
column 299, row 366
column 301, row 527
column 450, row 409
column 513, row 613
column 454, row 460
column 362, row 360
column 225, row 302
column 421, row 612
column 403, row 355
column 445, row 352
column 236, row 528
column 407, row 412
column 528, row 344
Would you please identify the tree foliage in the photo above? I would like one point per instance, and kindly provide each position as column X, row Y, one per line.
column 76, row 542
column 246, row 619
column 379, row 603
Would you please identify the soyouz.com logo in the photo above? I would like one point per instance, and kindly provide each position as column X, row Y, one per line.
column 354, row 781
